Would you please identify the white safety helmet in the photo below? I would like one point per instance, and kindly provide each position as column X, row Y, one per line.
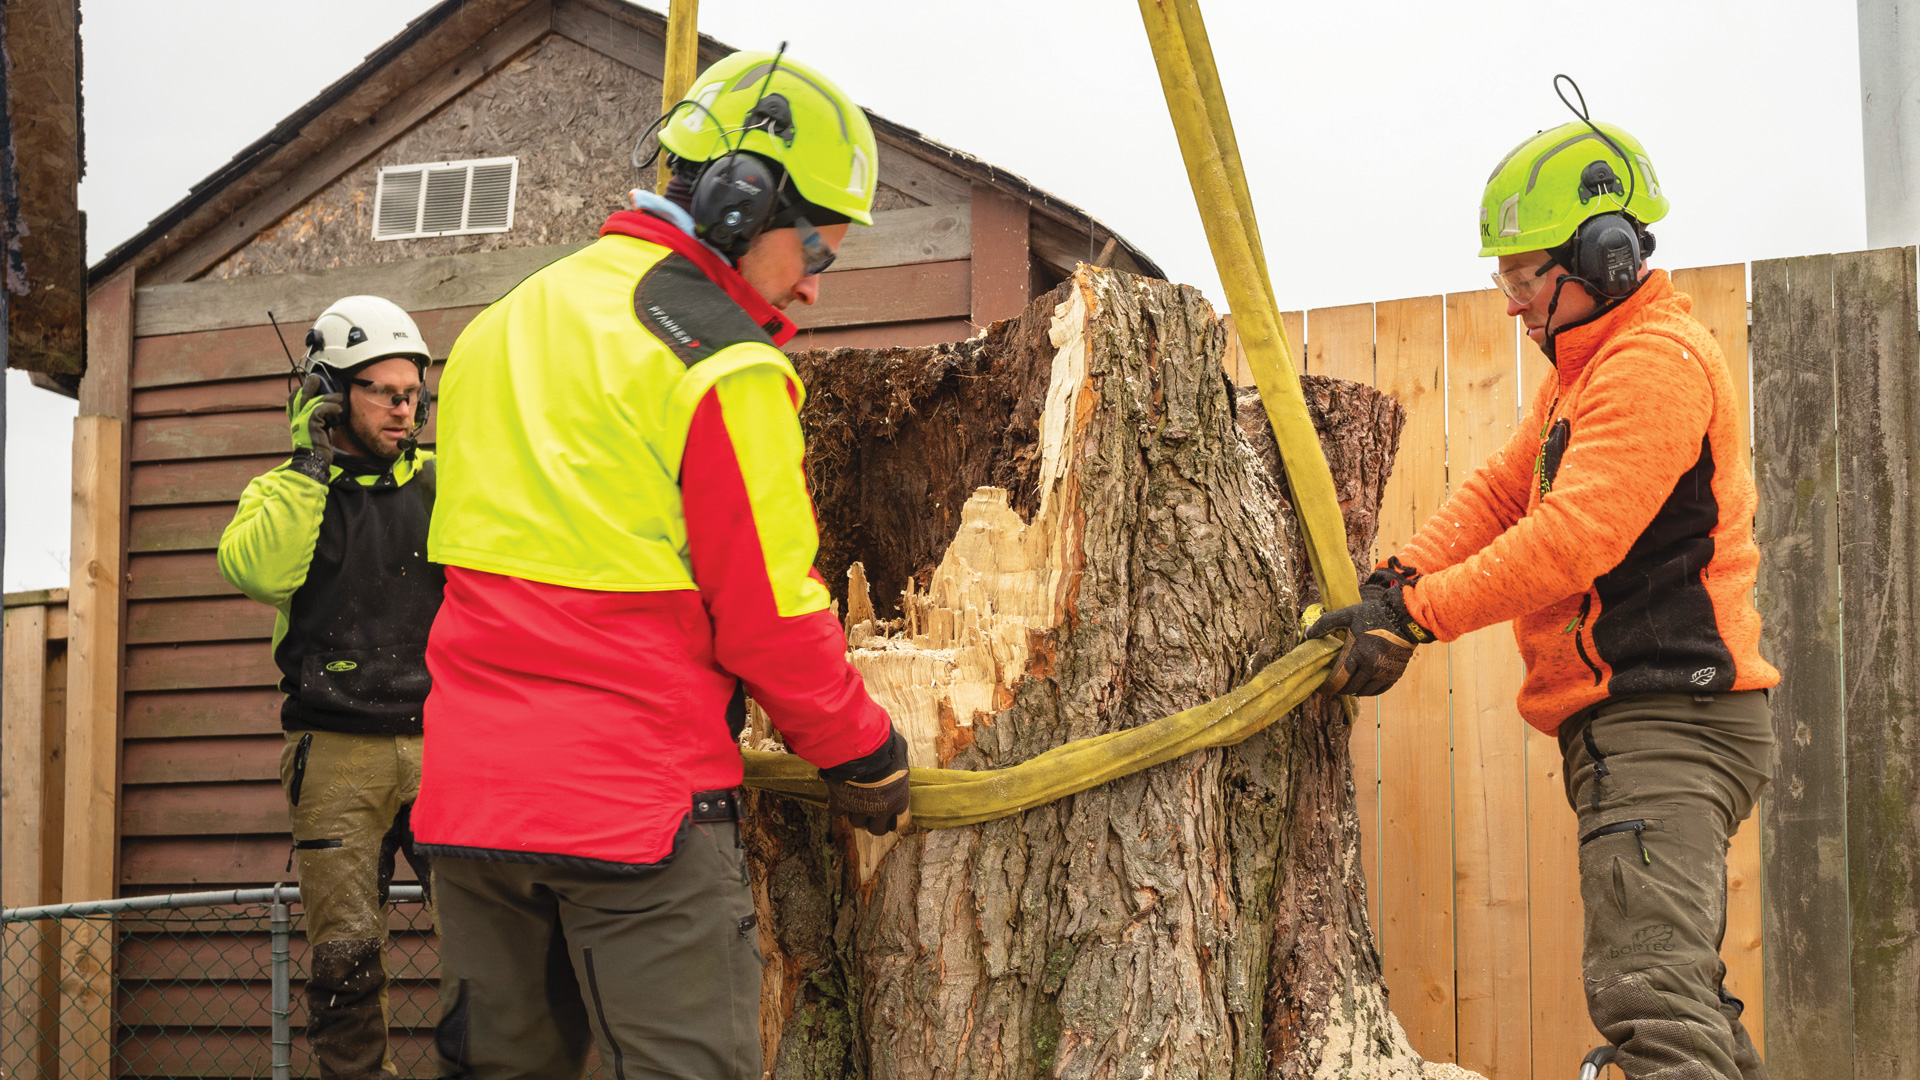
column 357, row 330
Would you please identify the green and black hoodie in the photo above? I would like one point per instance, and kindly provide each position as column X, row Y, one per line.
column 345, row 564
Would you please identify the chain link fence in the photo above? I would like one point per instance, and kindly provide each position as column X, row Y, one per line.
column 190, row 985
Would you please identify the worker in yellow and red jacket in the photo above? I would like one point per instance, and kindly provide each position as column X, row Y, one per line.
column 1615, row 532
column 628, row 543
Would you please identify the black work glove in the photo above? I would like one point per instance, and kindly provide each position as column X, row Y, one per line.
column 872, row 790
column 309, row 414
column 1380, row 634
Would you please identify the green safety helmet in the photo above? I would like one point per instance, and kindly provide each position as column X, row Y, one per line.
column 827, row 148
column 1545, row 187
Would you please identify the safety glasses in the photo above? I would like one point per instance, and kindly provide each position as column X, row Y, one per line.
column 1522, row 284
column 813, row 247
column 394, row 398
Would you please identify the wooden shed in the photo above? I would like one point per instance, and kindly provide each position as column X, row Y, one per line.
column 172, row 782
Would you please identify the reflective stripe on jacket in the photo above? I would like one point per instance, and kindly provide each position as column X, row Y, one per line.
column 628, row 537
column 1615, row 528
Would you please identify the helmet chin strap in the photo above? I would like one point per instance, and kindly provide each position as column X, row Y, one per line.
column 1607, row 303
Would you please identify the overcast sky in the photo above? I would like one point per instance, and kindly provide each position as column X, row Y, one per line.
column 1367, row 129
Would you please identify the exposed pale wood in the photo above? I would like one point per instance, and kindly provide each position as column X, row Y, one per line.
column 200, row 667
column 193, row 809
column 201, row 713
column 203, row 761
column 1804, row 817
column 938, row 290
column 1493, row 961
column 280, row 197
column 1002, row 255
column 177, row 528
column 172, row 575
column 1877, row 339
column 251, row 352
column 904, row 335
column 220, row 480
column 228, row 618
column 1416, row 818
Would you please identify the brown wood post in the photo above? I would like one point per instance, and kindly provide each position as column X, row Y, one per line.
column 95, row 611
column 1002, row 256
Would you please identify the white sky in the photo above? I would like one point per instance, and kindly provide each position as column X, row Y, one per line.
column 1367, row 129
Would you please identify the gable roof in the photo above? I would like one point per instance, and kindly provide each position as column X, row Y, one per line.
column 458, row 42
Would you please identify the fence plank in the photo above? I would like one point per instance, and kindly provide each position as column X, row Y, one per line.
column 203, row 761
column 251, row 352
column 195, row 809
column 200, row 667
column 1878, row 340
column 1489, row 760
column 1416, row 812
column 29, row 839
column 204, row 862
column 226, row 618
column 177, row 528
column 175, row 574
column 1795, row 458
column 174, row 483
column 1338, row 342
column 939, row 290
column 200, row 713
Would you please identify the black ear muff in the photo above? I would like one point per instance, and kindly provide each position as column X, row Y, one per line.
column 733, row 199
column 1606, row 255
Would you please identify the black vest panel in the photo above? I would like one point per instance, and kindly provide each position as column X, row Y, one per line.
column 354, row 657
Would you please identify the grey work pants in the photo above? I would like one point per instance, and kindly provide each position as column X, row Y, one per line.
column 1660, row 782
column 660, row 968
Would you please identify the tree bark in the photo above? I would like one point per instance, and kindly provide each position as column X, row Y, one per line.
column 1070, row 525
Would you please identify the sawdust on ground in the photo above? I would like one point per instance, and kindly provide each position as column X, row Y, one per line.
column 1436, row 1070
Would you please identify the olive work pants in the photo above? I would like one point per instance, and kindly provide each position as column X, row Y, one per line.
column 1660, row 782
column 350, row 798
column 661, row 969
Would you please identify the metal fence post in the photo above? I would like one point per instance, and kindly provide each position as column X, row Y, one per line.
column 282, row 929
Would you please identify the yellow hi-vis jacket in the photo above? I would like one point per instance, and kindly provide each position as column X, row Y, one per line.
column 628, row 538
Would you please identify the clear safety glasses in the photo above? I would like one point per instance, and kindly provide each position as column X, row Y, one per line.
column 1522, row 283
column 394, row 398
column 813, row 247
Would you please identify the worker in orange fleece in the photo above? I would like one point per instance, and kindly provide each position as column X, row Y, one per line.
column 1615, row 531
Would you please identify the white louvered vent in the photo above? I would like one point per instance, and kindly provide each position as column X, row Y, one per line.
column 447, row 198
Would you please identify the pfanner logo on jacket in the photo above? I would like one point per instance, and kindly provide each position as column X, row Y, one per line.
column 689, row 313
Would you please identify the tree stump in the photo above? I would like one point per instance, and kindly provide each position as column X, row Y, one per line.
column 1069, row 525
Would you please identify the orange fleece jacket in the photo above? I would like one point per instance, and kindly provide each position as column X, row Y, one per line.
column 1615, row 529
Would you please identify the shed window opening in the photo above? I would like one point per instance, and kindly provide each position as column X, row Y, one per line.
column 446, row 198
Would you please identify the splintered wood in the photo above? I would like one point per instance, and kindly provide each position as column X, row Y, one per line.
column 1065, row 527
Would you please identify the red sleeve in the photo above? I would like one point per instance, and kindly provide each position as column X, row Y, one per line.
column 795, row 667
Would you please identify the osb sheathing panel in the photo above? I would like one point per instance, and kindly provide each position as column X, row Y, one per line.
column 569, row 113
